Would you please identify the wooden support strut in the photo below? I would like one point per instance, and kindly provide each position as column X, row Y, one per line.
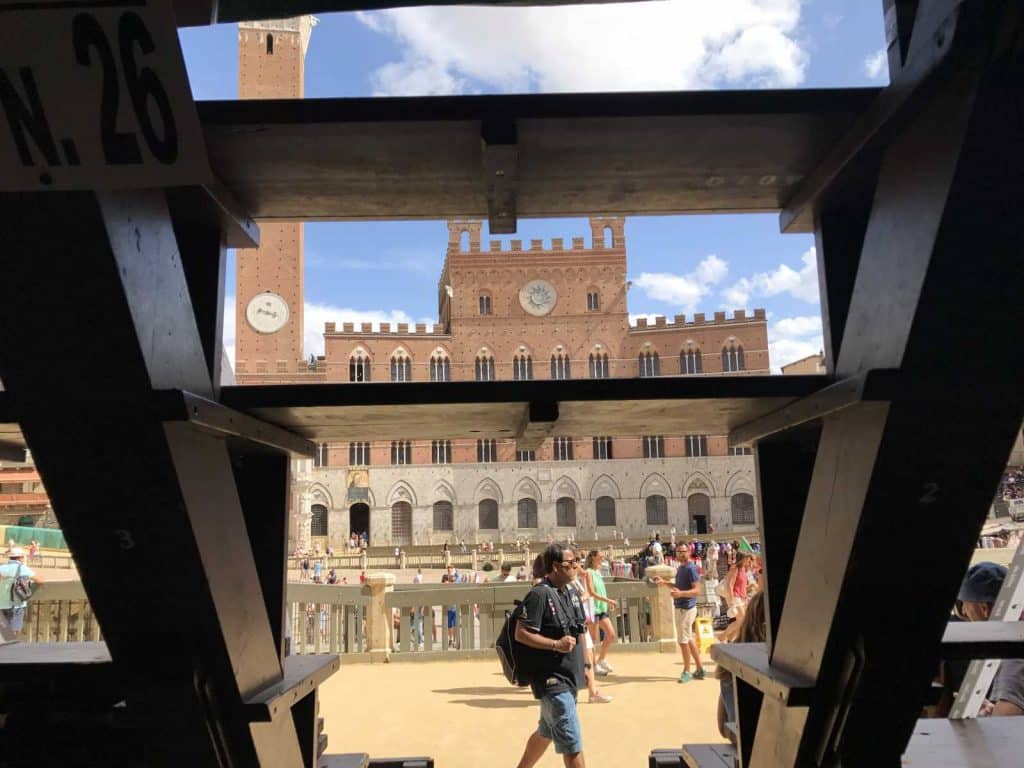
column 882, row 467
column 171, row 491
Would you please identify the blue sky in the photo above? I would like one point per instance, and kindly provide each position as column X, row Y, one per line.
column 388, row 271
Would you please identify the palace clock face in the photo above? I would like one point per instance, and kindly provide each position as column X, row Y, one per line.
column 267, row 312
column 538, row 297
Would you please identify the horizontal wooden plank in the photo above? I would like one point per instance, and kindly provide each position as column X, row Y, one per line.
column 987, row 741
column 983, row 640
column 614, row 407
column 578, row 154
column 709, row 755
column 749, row 662
column 302, row 674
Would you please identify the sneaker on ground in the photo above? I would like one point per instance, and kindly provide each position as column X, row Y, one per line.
column 605, row 667
column 599, row 670
column 685, row 677
column 699, row 674
column 600, row 698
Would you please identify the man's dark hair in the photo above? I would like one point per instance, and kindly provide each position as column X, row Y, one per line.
column 506, row 567
column 552, row 554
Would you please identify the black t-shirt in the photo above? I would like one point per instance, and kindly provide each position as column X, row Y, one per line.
column 555, row 613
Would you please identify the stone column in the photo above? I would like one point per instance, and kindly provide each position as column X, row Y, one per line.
column 378, row 617
column 403, row 559
column 663, row 623
column 363, row 560
column 501, row 557
column 475, row 562
column 447, row 558
column 305, row 515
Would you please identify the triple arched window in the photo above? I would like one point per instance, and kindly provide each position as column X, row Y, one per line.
column 649, row 364
column 401, row 367
column 440, row 368
column 560, row 368
column 690, row 362
column 484, row 368
column 732, row 358
column 599, row 365
column 522, row 368
column 359, row 367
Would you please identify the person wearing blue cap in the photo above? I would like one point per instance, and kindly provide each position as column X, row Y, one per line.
column 977, row 596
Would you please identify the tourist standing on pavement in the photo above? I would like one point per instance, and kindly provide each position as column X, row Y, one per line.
column 579, row 584
column 684, row 596
column 550, row 620
column 602, row 624
column 13, row 608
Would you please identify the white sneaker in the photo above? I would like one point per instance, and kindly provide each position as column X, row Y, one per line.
column 603, row 667
column 600, row 698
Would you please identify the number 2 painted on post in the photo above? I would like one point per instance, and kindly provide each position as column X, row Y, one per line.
column 120, row 148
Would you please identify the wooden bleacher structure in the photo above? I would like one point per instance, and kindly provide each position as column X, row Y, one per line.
column 113, row 380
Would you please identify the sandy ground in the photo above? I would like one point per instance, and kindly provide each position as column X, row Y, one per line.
column 464, row 714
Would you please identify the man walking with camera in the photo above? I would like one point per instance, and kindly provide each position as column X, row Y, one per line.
column 550, row 621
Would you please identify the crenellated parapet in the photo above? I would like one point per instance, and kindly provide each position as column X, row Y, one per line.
column 384, row 329
column 700, row 319
column 607, row 233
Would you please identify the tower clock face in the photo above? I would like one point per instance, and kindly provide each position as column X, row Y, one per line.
column 538, row 297
column 267, row 312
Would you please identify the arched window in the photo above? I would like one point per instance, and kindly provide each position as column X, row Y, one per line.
column 649, row 364
column 742, row 505
column 698, row 510
column 440, row 368
column 359, row 367
column 654, row 446
column 486, row 451
column 522, row 368
column 401, row 367
column 527, row 510
column 488, row 514
column 484, row 368
column 318, row 522
column 441, row 451
column 732, row 358
column 690, row 362
column 270, row 45
column 657, row 510
column 485, row 304
column 401, row 523
column 464, row 240
column 609, row 238
column 444, row 518
column 593, row 301
column 565, row 512
column 598, row 365
column 602, row 448
column 560, row 368
column 605, row 510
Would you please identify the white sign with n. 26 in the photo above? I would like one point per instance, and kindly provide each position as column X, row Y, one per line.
column 94, row 95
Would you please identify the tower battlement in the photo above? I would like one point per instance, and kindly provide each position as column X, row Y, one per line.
column 699, row 319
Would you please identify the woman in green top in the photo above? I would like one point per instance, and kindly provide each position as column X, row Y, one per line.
column 595, row 586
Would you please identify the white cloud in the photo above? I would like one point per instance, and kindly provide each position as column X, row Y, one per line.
column 876, row 64
column 314, row 317
column 675, row 44
column 802, row 284
column 794, row 338
column 684, row 291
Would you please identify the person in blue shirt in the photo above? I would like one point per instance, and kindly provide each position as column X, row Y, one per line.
column 14, row 610
column 684, row 593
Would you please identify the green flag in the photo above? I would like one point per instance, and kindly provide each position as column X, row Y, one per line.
column 745, row 547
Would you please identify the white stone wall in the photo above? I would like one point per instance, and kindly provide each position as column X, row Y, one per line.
column 629, row 481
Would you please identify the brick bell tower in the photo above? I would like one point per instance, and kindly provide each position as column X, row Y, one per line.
column 269, row 287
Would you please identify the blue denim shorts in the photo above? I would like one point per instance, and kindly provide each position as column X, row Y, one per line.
column 559, row 722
